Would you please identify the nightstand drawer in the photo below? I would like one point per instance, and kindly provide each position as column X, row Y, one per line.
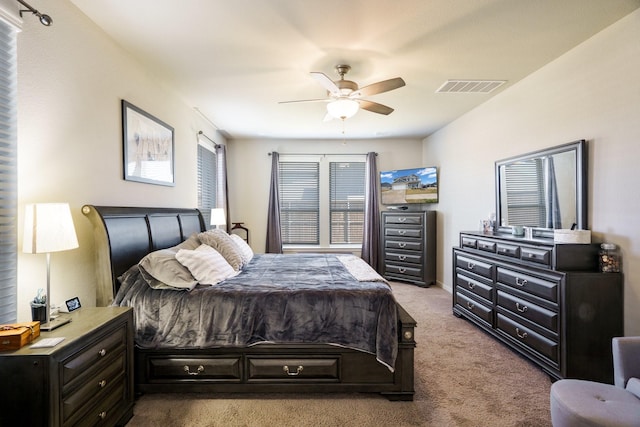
column 104, row 412
column 99, row 351
column 94, row 388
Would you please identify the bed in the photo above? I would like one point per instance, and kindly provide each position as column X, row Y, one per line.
column 318, row 355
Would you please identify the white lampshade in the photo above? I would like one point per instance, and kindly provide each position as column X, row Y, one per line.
column 343, row 108
column 48, row 227
column 218, row 217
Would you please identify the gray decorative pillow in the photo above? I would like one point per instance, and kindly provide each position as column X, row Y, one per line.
column 162, row 270
column 222, row 242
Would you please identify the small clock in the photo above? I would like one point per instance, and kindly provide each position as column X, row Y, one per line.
column 73, row 304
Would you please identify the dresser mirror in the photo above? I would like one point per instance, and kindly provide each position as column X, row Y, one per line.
column 544, row 190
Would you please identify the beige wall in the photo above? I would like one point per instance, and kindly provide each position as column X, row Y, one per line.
column 71, row 80
column 590, row 93
column 250, row 170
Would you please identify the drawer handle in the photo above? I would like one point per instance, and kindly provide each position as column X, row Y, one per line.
column 102, row 415
column 102, row 353
column 471, row 285
column 286, row 370
column 402, row 257
column 102, row 383
column 402, row 270
column 520, row 308
column 521, row 335
column 521, row 282
column 402, row 219
column 402, row 232
column 198, row 371
column 402, row 244
column 470, row 306
column 471, row 265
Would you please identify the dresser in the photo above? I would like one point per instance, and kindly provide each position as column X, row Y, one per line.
column 409, row 246
column 546, row 301
column 85, row 380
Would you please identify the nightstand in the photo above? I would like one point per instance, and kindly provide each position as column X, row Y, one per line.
column 87, row 379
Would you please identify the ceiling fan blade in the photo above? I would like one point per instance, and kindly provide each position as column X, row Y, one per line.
column 305, row 100
column 374, row 107
column 327, row 118
column 326, row 82
column 375, row 88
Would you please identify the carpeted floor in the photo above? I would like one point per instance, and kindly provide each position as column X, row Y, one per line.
column 463, row 377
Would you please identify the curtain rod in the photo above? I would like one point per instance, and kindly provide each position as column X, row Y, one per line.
column 324, row 154
column 214, row 143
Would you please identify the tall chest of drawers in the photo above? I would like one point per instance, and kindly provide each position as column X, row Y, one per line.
column 409, row 246
column 86, row 380
column 546, row 301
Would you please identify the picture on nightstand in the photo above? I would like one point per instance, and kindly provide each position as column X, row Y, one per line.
column 73, row 304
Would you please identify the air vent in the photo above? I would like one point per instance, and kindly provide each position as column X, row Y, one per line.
column 470, row 86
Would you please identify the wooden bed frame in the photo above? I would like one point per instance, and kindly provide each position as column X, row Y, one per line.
column 123, row 235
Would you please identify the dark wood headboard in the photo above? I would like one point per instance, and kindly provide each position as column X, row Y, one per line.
column 123, row 235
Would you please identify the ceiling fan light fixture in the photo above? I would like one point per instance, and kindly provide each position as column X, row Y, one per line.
column 343, row 108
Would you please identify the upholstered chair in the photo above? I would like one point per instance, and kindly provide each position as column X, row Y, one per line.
column 579, row 403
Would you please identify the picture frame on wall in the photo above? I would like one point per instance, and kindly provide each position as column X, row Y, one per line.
column 148, row 147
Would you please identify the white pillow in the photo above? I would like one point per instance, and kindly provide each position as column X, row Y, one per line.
column 245, row 250
column 220, row 241
column 205, row 264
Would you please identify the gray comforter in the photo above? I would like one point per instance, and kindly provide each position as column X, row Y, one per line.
column 292, row 298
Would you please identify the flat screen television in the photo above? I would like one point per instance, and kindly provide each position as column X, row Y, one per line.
column 408, row 186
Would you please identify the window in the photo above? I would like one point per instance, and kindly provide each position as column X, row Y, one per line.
column 346, row 195
column 321, row 199
column 207, row 173
column 300, row 203
column 8, row 175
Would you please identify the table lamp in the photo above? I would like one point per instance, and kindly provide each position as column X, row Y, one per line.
column 217, row 217
column 48, row 227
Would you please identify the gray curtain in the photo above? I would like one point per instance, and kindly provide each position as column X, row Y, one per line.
column 222, row 190
column 371, row 231
column 274, row 237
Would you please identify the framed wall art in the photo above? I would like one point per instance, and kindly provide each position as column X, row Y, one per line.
column 148, row 147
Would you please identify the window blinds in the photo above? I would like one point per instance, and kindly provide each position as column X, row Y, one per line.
column 525, row 192
column 8, row 175
column 346, row 201
column 207, row 173
column 299, row 203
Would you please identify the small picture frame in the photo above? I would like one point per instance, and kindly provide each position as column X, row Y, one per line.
column 73, row 304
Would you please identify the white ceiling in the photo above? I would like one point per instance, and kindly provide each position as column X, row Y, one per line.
column 234, row 60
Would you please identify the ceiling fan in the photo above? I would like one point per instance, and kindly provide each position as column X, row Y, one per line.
column 345, row 98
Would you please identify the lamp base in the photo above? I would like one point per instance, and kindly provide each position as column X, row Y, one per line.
column 55, row 323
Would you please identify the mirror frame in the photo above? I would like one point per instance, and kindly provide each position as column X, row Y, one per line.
column 580, row 148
